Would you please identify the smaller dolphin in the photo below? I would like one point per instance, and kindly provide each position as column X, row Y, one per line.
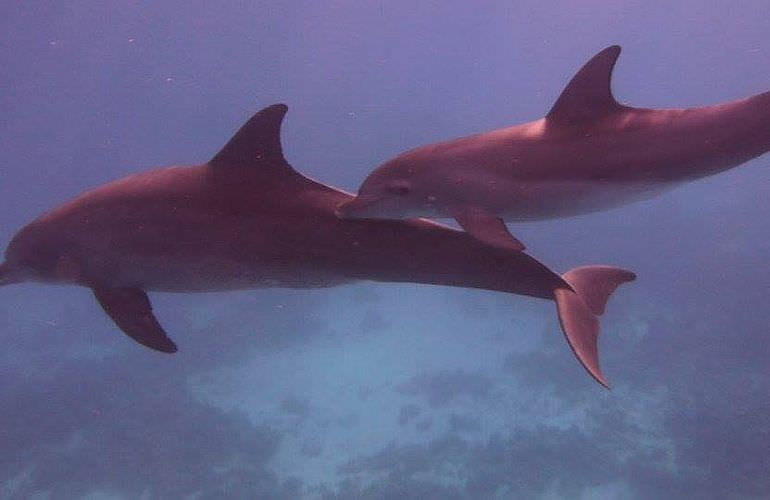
column 589, row 153
column 246, row 219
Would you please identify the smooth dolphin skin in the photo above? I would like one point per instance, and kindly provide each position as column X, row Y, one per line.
column 247, row 219
column 589, row 153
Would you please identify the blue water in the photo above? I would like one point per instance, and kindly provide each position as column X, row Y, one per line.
column 383, row 391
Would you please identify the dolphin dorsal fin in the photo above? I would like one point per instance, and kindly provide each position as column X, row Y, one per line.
column 588, row 96
column 257, row 144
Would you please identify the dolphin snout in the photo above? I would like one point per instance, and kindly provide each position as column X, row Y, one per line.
column 8, row 276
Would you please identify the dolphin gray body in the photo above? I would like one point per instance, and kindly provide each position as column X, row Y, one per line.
column 589, row 153
column 246, row 219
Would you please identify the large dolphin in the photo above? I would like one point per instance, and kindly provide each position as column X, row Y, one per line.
column 247, row 219
column 589, row 153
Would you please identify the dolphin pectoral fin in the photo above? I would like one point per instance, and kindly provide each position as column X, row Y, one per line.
column 131, row 310
column 488, row 228
column 580, row 307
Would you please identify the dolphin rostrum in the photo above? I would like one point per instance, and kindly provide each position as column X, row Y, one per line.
column 247, row 219
column 589, row 153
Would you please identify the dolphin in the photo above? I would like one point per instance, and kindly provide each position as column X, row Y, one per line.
column 589, row 153
column 246, row 219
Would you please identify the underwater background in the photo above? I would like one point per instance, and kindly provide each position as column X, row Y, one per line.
column 379, row 391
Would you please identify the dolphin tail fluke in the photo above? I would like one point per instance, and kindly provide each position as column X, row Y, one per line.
column 6, row 275
column 580, row 307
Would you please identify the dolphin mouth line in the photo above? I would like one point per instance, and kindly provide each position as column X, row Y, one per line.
column 356, row 208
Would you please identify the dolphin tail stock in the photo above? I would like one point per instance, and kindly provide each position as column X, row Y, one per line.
column 580, row 306
column 6, row 275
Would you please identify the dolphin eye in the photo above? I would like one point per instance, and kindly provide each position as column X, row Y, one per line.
column 399, row 189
